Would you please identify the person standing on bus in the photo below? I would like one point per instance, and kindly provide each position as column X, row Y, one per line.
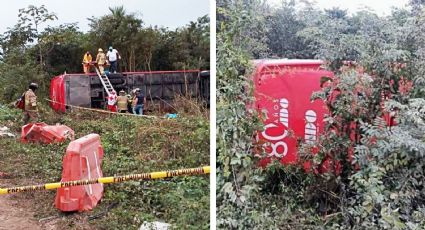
column 87, row 59
column 101, row 61
column 112, row 57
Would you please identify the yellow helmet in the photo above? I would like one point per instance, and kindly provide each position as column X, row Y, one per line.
column 100, row 50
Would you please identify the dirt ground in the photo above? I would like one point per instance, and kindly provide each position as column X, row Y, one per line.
column 18, row 211
column 15, row 213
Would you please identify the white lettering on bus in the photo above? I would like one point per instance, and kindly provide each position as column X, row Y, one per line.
column 310, row 134
column 284, row 119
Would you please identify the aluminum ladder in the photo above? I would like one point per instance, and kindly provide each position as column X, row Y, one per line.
column 105, row 82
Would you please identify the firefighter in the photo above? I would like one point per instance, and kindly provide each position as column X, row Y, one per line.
column 101, row 61
column 87, row 59
column 112, row 101
column 30, row 100
column 130, row 102
column 133, row 99
column 122, row 102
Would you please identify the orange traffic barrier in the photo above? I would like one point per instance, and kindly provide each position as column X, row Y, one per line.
column 82, row 161
column 43, row 133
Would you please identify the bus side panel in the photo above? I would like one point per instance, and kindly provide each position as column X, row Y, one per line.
column 80, row 91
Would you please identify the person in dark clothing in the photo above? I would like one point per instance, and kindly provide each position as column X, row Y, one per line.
column 140, row 101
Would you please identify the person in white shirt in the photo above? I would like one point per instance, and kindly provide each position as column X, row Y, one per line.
column 112, row 57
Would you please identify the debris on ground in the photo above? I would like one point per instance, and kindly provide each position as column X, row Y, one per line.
column 5, row 132
column 155, row 226
column 171, row 115
column 47, row 219
column 4, row 175
column 41, row 132
column 103, row 213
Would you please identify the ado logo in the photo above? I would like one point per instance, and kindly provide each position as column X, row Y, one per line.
column 279, row 148
column 310, row 132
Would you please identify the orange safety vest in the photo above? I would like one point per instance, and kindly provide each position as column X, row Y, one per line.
column 87, row 59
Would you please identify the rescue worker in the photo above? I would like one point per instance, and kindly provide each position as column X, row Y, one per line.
column 133, row 99
column 112, row 102
column 87, row 59
column 112, row 55
column 30, row 110
column 101, row 61
column 122, row 102
column 129, row 104
column 140, row 102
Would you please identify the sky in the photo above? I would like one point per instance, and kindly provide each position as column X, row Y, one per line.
column 166, row 13
column 381, row 7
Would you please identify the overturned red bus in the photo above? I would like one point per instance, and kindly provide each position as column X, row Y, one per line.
column 283, row 89
column 159, row 87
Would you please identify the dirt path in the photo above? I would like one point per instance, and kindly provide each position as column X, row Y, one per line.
column 28, row 211
column 23, row 211
column 12, row 216
column 15, row 213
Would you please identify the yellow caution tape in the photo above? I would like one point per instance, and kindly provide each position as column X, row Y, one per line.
column 101, row 111
column 108, row 180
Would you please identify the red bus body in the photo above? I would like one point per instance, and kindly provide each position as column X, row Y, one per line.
column 159, row 87
column 283, row 89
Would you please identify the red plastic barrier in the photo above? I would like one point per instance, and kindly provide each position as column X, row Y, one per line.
column 82, row 161
column 43, row 133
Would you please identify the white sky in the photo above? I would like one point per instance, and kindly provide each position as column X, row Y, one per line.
column 381, row 7
column 166, row 13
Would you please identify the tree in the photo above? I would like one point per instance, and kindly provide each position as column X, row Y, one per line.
column 336, row 13
column 63, row 47
column 120, row 30
column 192, row 45
column 283, row 39
column 237, row 182
column 14, row 44
column 30, row 20
column 150, row 39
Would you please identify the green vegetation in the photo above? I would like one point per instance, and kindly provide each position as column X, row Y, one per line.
column 131, row 145
column 382, row 187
